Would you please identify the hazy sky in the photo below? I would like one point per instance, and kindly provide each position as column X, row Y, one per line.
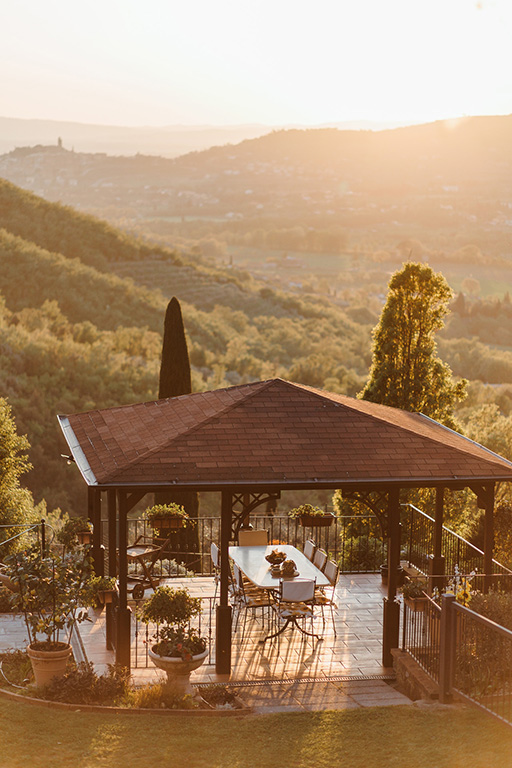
column 162, row 62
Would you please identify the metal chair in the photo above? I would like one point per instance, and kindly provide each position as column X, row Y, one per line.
column 295, row 601
column 332, row 571
column 214, row 553
column 310, row 549
column 320, row 559
column 252, row 538
column 247, row 597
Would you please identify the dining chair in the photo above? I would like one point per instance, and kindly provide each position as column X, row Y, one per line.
column 320, row 559
column 310, row 549
column 214, row 554
column 252, row 538
column 332, row 572
column 295, row 602
column 248, row 598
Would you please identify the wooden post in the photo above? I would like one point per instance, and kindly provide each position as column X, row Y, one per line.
column 123, row 611
column 391, row 607
column 437, row 561
column 94, row 513
column 446, row 648
column 223, row 626
column 112, row 561
column 488, row 536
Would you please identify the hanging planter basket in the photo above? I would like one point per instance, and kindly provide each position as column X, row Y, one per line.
column 84, row 537
column 416, row 604
column 316, row 521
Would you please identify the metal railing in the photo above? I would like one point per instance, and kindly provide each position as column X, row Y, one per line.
column 457, row 551
column 28, row 533
column 421, row 634
column 354, row 542
column 482, row 662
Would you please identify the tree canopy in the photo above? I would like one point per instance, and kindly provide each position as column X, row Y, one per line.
column 406, row 372
column 16, row 504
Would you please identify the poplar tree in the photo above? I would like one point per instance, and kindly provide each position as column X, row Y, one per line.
column 175, row 380
column 406, row 372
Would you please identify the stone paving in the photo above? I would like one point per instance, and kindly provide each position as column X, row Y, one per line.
column 286, row 674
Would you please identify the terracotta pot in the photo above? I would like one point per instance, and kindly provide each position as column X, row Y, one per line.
column 168, row 522
column 177, row 670
column 49, row 664
column 316, row 521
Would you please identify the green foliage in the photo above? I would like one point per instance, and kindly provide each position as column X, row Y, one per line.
column 172, row 609
column 54, row 592
column 405, row 371
column 306, row 509
column 16, row 504
column 81, row 685
column 165, row 511
column 361, row 554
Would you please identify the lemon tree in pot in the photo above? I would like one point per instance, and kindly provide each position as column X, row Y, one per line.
column 179, row 649
column 53, row 596
column 308, row 515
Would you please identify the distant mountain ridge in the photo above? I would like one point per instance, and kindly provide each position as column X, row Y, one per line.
column 166, row 141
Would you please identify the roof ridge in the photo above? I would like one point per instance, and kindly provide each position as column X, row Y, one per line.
column 320, row 394
column 201, row 424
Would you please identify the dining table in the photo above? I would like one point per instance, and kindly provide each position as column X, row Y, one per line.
column 252, row 563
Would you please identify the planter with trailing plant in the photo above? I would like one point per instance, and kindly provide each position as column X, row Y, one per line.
column 179, row 649
column 76, row 530
column 311, row 516
column 414, row 592
column 53, row 596
column 164, row 518
column 104, row 588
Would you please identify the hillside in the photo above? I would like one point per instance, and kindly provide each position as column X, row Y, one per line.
column 75, row 337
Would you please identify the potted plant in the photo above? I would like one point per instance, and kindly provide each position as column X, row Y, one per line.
column 414, row 592
column 53, row 595
column 179, row 649
column 76, row 530
column 164, row 517
column 104, row 588
column 312, row 516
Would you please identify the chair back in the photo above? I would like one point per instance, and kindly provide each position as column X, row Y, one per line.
column 320, row 559
column 332, row 571
column 297, row 590
column 309, row 549
column 214, row 552
column 250, row 538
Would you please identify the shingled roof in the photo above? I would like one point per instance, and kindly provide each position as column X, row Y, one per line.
column 272, row 434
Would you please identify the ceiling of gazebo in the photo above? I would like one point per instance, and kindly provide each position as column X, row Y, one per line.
column 271, row 434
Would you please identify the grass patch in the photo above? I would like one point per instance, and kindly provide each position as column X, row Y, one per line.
column 363, row 738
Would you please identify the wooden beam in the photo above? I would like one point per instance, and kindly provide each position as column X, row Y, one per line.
column 223, row 626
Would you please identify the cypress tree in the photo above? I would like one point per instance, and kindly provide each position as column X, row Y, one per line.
column 175, row 377
column 175, row 380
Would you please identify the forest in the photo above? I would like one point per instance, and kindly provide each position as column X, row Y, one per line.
column 82, row 305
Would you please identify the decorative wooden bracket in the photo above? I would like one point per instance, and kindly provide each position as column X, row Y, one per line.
column 249, row 502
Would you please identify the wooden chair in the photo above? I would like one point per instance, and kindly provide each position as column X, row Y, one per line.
column 250, row 538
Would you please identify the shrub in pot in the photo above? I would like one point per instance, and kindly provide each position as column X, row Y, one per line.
column 179, row 649
column 75, row 531
column 54, row 594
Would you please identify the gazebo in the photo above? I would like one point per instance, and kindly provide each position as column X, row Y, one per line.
column 252, row 441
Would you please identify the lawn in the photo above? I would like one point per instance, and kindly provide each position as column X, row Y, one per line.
column 402, row 737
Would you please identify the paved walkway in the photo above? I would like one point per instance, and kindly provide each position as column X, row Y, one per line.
column 288, row 674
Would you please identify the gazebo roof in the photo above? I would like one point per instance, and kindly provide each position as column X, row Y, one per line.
column 272, row 434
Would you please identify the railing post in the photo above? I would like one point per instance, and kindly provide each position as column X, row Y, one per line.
column 446, row 648
column 43, row 537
